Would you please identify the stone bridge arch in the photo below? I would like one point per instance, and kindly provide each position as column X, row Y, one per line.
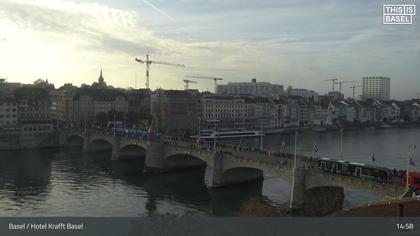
column 75, row 139
column 131, row 151
column 183, row 161
column 318, row 193
column 241, row 174
column 98, row 143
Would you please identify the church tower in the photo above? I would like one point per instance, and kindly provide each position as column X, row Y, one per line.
column 101, row 81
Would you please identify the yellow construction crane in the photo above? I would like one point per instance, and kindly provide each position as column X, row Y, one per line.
column 187, row 83
column 345, row 82
column 354, row 88
column 205, row 77
column 333, row 82
column 149, row 62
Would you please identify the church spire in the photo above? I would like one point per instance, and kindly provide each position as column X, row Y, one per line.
column 101, row 80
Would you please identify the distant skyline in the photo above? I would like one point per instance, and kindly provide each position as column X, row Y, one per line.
column 300, row 44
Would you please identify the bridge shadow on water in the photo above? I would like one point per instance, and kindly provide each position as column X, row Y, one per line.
column 188, row 188
column 184, row 186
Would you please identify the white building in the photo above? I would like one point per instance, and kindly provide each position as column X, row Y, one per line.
column 390, row 112
column 320, row 116
column 305, row 93
column 254, row 88
column 414, row 112
column 229, row 111
column 241, row 112
column 376, row 87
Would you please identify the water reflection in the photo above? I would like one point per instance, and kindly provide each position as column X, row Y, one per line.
column 25, row 178
column 68, row 182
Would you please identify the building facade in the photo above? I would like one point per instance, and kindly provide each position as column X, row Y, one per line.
column 254, row 88
column 376, row 87
column 241, row 112
column 305, row 93
column 227, row 112
column 89, row 102
column 27, row 118
column 8, row 112
column 9, row 129
column 175, row 112
column 62, row 100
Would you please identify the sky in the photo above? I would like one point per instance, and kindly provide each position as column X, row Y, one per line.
column 294, row 43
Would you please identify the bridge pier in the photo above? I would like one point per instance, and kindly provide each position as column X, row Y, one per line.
column 322, row 201
column 214, row 174
column 62, row 139
column 314, row 201
column 155, row 157
column 85, row 144
column 115, row 149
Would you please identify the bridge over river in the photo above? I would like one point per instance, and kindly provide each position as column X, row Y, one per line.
column 312, row 189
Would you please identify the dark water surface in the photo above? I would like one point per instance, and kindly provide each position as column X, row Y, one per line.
column 67, row 182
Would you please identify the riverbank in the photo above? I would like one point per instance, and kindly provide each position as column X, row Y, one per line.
column 403, row 208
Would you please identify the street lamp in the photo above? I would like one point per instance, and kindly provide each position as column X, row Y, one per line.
column 341, row 143
column 114, row 124
column 199, row 127
column 294, row 170
column 261, row 137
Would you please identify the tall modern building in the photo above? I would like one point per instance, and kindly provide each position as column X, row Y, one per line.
column 376, row 87
column 253, row 88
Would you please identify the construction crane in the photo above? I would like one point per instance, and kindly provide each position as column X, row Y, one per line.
column 345, row 82
column 187, row 83
column 354, row 89
column 333, row 82
column 149, row 62
column 205, row 77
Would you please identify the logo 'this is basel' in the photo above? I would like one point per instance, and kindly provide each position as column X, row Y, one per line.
column 398, row 14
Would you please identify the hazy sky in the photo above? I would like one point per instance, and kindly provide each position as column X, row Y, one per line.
column 297, row 43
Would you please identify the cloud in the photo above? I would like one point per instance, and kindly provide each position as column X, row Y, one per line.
column 278, row 41
column 104, row 27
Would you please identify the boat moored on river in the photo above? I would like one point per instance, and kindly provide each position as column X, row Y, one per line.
column 234, row 134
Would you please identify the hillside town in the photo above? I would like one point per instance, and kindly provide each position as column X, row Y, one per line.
column 32, row 110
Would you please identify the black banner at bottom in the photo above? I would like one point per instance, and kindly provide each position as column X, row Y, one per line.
column 76, row 226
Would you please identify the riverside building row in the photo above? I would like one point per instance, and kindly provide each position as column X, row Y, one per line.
column 182, row 112
column 40, row 108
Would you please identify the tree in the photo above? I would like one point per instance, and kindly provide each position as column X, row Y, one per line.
column 39, row 82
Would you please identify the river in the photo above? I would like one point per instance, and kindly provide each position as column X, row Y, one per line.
column 67, row 182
